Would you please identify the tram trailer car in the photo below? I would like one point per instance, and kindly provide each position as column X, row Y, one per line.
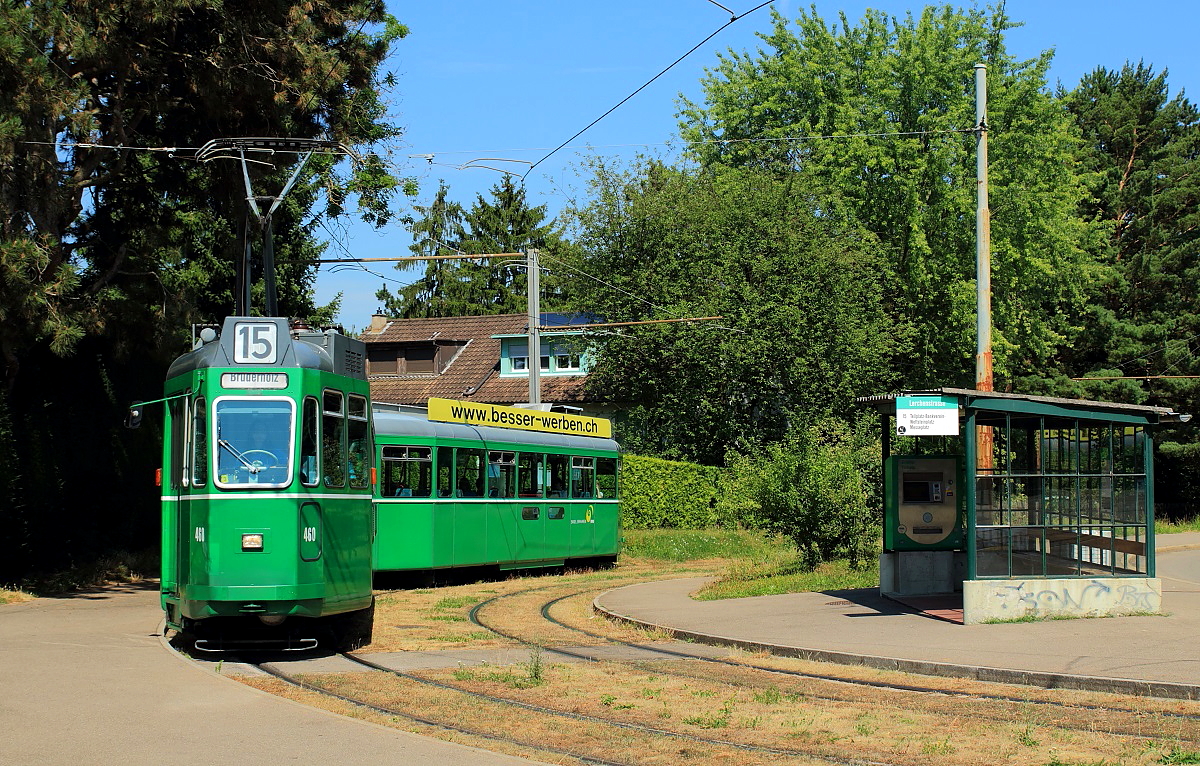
column 267, row 489
column 458, row 495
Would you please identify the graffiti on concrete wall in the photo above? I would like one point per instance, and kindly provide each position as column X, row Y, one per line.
column 1075, row 597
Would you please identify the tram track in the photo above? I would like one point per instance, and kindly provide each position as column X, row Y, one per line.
column 643, row 731
column 1070, row 709
column 592, row 712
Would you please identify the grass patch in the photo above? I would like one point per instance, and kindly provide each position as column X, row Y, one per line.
column 757, row 564
column 457, row 602
column 699, row 544
column 1164, row 527
column 785, row 574
column 1053, row 617
column 14, row 596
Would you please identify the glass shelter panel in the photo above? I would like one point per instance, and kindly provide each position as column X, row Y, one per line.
column 1061, row 498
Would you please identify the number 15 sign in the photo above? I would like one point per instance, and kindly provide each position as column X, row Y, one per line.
column 255, row 342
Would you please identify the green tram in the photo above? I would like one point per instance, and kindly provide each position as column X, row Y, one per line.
column 266, row 491
column 462, row 494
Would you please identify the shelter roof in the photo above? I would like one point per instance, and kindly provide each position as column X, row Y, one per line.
column 970, row 398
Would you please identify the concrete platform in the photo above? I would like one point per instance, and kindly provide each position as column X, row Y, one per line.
column 1134, row 655
column 85, row 680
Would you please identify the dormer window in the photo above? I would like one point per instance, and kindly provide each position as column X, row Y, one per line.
column 559, row 357
column 424, row 358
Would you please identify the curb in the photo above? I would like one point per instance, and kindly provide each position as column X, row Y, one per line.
column 1041, row 679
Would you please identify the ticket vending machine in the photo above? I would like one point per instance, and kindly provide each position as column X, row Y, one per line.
column 924, row 513
column 924, row 505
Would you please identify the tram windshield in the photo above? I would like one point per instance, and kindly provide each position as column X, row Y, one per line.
column 253, row 442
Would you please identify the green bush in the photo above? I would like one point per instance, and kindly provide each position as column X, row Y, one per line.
column 658, row 493
column 818, row 489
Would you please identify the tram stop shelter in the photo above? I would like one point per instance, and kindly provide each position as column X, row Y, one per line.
column 1024, row 505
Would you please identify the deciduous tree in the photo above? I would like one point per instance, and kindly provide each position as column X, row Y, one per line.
column 880, row 115
column 798, row 289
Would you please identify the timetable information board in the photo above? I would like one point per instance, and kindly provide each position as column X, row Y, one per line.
column 927, row 416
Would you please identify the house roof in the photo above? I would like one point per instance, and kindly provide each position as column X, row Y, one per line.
column 472, row 375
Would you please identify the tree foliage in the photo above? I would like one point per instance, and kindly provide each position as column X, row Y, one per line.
column 1143, row 148
column 802, row 329
column 880, row 117
column 95, row 234
column 503, row 223
column 109, row 249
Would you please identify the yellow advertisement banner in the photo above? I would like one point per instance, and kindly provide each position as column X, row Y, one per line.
column 477, row 414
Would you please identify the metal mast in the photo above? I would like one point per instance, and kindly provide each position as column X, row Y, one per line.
column 533, row 283
column 983, row 236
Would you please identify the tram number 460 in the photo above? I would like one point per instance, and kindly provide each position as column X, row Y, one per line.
column 309, row 534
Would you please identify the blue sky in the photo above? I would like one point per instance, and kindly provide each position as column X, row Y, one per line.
column 514, row 80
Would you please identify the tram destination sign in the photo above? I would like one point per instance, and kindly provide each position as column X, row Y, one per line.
column 927, row 416
column 254, row 380
column 477, row 414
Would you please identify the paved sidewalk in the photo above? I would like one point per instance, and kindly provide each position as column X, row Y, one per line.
column 85, row 680
column 1146, row 655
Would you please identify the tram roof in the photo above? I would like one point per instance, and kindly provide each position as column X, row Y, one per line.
column 389, row 423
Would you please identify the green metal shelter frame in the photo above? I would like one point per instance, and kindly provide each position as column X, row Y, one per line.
column 1067, row 491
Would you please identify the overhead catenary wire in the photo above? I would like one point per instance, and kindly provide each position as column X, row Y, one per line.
column 644, row 85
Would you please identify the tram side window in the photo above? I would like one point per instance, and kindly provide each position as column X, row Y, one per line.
column 179, row 422
column 606, row 477
column 468, row 472
column 583, row 476
column 560, row 471
column 407, row 472
column 199, row 443
column 529, row 474
column 445, row 472
column 502, row 474
column 332, row 446
column 359, row 439
column 308, row 443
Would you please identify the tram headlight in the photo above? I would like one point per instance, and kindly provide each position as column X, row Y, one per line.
column 252, row 541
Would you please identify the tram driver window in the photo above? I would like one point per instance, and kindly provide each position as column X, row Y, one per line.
column 253, row 441
column 359, row 443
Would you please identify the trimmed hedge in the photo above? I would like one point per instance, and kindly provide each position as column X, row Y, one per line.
column 658, row 493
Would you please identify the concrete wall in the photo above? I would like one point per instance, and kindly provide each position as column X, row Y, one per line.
column 918, row 573
column 985, row 600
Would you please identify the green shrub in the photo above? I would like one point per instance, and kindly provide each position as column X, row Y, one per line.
column 818, row 489
column 658, row 493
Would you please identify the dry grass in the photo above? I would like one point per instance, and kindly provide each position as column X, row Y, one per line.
column 765, row 716
column 14, row 596
column 809, row 718
column 428, row 619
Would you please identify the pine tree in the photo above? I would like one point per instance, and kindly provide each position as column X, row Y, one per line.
column 501, row 223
